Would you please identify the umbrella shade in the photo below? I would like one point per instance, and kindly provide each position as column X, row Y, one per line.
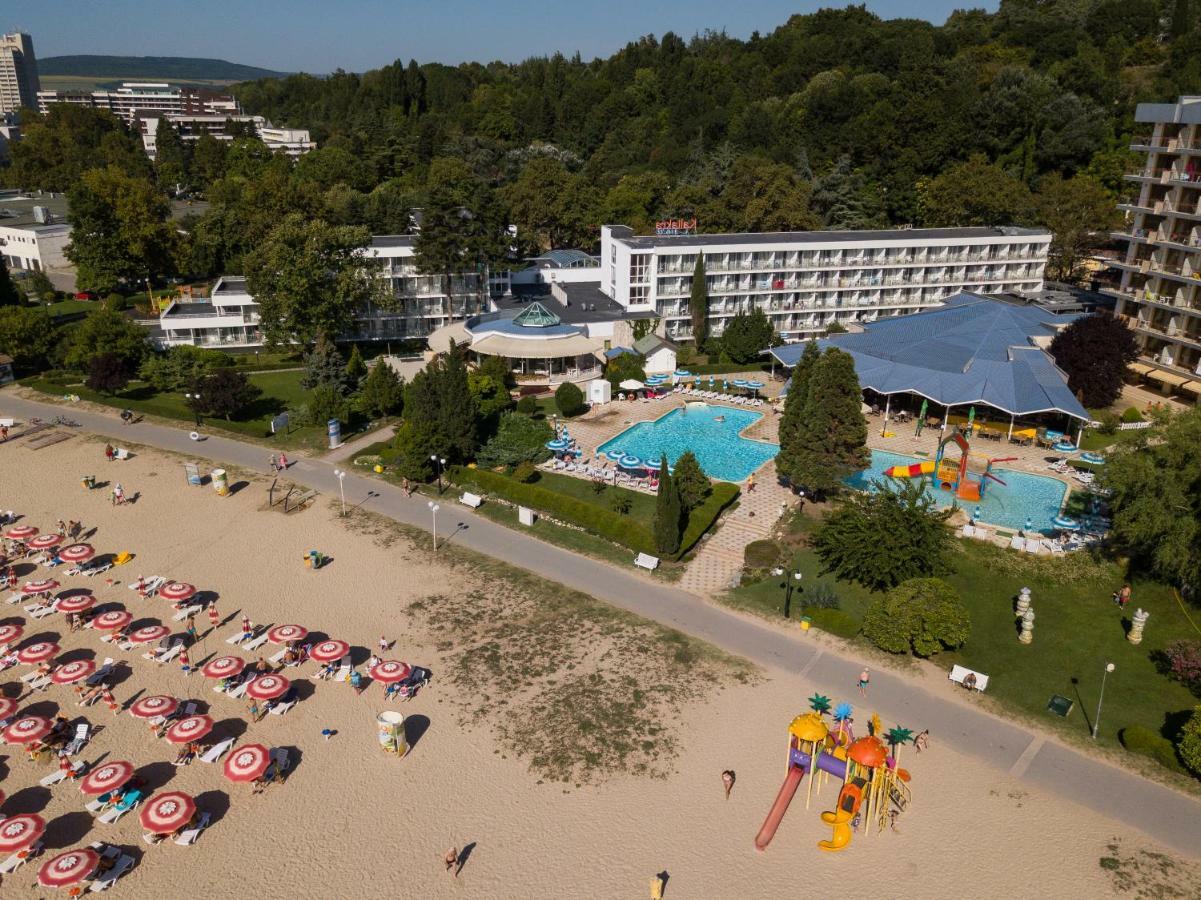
column 247, row 763
column 176, row 591
column 148, row 633
column 112, row 620
column 105, row 778
column 20, row 532
column 328, row 651
column 558, row 444
column 29, row 728
column 165, row 812
column 68, row 868
column 630, row 462
column 69, row 673
column 615, row 454
column 1066, row 523
column 682, row 373
column 10, row 633
column 390, row 671
column 268, row 687
column 44, row 541
column 193, row 728
column 8, row 706
column 223, row 667
column 754, row 385
column 741, row 382
column 36, row 653
column 76, row 553
column 632, row 384
column 76, row 603
column 154, row 706
column 44, row 586
column 18, row 832
column 283, row 634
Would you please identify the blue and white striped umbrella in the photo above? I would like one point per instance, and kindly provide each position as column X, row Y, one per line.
column 630, row 462
column 682, row 373
column 558, row 444
column 1095, row 458
column 615, row 455
column 671, row 470
column 741, row 382
column 1065, row 523
column 754, row 385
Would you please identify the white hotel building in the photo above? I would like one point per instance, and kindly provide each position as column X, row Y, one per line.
column 805, row 281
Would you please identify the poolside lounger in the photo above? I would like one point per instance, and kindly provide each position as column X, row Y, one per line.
column 217, row 751
column 15, row 861
column 107, row 879
column 163, row 656
column 236, row 638
column 40, row 684
column 1034, row 545
column 188, row 836
column 238, row 692
column 1017, row 542
column 343, row 673
column 108, row 851
column 279, row 756
column 968, row 531
column 40, row 612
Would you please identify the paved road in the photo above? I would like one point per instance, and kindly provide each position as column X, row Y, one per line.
column 1167, row 816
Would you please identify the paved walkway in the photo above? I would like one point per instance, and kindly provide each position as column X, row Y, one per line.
column 1165, row 815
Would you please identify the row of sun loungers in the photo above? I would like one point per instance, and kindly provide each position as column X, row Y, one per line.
column 718, row 395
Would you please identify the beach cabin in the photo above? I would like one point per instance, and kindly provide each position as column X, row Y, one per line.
column 660, row 353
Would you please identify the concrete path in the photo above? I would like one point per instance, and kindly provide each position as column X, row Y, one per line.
column 1165, row 815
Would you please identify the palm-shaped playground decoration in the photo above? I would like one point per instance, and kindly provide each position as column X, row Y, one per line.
column 819, row 704
column 842, row 716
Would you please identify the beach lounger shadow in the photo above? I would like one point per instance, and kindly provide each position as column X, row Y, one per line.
column 415, row 729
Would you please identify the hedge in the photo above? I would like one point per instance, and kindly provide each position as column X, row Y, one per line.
column 702, row 518
column 1146, row 742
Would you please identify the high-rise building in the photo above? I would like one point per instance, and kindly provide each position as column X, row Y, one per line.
column 19, row 83
column 1160, row 292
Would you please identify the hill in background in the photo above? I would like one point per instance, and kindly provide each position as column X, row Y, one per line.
column 145, row 68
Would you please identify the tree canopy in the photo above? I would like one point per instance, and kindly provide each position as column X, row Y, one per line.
column 1094, row 351
column 921, row 615
column 830, row 443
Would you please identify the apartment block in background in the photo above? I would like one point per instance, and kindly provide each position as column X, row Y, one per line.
column 19, row 83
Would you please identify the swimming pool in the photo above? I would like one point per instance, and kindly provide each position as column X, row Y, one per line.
column 718, row 446
column 1023, row 496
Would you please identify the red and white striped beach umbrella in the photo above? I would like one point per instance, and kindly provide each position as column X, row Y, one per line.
column 29, row 728
column 10, row 633
column 176, row 591
column 76, row 553
column 19, row 832
column 8, row 706
column 69, row 673
column 223, row 667
column 150, row 707
column 282, row 634
column 68, row 868
column 389, row 671
column 268, row 687
column 112, row 620
column 193, row 728
column 44, row 586
column 148, row 633
column 247, row 763
column 165, row 812
column 20, row 532
column 44, row 541
column 107, row 777
column 75, row 603
column 36, row 653
column 328, row 651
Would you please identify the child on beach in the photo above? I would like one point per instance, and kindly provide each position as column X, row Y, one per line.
column 283, row 462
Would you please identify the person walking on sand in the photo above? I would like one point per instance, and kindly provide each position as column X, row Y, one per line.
column 283, row 462
column 271, row 461
column 921, row 740
column 727, row 780
column 864, row 678
column 451, row 861
column 109, row 452
column 383, row 644
column 190, row 630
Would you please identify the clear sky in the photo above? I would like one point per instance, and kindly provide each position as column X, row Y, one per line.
column 322, row 35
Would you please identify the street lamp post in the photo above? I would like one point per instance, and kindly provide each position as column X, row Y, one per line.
column 790, row 584
column 439, row 465
column 342, row 489
column 193, row 400
column 434, row 513
column 1109, row 667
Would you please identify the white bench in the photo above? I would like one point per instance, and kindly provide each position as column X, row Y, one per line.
column 959, row 673
column 472, row 500
column 646, row 561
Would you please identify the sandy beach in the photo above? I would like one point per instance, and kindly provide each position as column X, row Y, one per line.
column 351, row 820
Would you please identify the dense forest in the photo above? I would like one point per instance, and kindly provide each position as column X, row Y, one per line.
column 838, row 119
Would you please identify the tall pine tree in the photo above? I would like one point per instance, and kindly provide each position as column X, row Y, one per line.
column 793, row 419
column 832, row 443
column 668, row 513
column 170, row 158
column 698, row 304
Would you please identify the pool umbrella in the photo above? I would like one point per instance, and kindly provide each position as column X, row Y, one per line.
column 268, row 687
column 36, row 653
column 148, row 633
column 971, row 418
column 10, row 633
column 165, row 812
column 658, row 467
column 614, row 455
column 247, row 763
column 283, row 634
column 389, row 671
column 44, row 541
column 76, row 603
column 193, row 728
column 558, row 444
column 153, row 707
column 29, row 728
column 44, row 586
column 19, row 832
column 328, row 651
column 1065, row 523
column 105, row 778
column 76, row 553
column 740, row 382
column 177, row 591
column 20, row 532
column 755, row 385
column 112, row 620
column 8, row 706
column 632, row 384
column 630, row 462
column 68, row 868
column 223, row 667
column 69, row 673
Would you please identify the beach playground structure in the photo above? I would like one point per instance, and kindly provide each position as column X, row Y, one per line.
column 870, row 782
column 966, row 475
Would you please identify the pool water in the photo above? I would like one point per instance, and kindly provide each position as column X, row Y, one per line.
column 1023, row 496
column 722, row 452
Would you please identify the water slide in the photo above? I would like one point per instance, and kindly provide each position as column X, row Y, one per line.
column 796, row 772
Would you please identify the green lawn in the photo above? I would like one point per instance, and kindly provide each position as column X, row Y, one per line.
column 642, row 506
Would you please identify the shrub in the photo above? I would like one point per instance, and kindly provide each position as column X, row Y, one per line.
column 1182, row 661
column 1109, row 422
column 762, row 554
column 525, row 472
column 60, row 377
column 569, row 399
column 527, row 405
column 115, row 302
column 518, row 439
column 620, row 503
column 821, row 596
column 1146, row 742
column 1189, row 745
column 1132, row 414
column 702, row 518
column 835, row 621
column 922, row 615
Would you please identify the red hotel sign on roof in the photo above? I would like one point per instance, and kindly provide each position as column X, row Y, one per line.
column 675, row 226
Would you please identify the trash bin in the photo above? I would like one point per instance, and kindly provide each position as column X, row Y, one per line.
column 220, row 483
column 390, row 727
column 805, row 623
column 334, row 428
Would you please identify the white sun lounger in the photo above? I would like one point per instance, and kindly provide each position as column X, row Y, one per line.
column 281, row 709
column 165, row 656
column 236, row 638
column 217, row 751
column 150, row 586
column 256, row 642
column 108, row 851
column 193, row 610
column 240, row 691
column 58, row 774
column 106, row 669
column 40, row 684
column 40, row 612
column 343, row 673
column 15, row 861
column 106, row 879
column 188, row 836
column 277, row 657
column 16, row 597
column 111, row 817
column 82, row 735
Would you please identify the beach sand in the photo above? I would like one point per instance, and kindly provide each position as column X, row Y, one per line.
column 352, row 820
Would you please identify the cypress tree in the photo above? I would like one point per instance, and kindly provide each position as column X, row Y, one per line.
column 698, row 303
column 792, row 421
column 355, row 367
column 9, row 295
column 668, row 513
column 832, row 443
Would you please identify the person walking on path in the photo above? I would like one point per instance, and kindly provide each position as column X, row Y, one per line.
column 727, row 780
column 921, row 740
column 271, row 461
column 283, row 463
column 864, row 679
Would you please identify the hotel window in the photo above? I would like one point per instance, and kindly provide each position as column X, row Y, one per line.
column 639, row 294
column 639, row 267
